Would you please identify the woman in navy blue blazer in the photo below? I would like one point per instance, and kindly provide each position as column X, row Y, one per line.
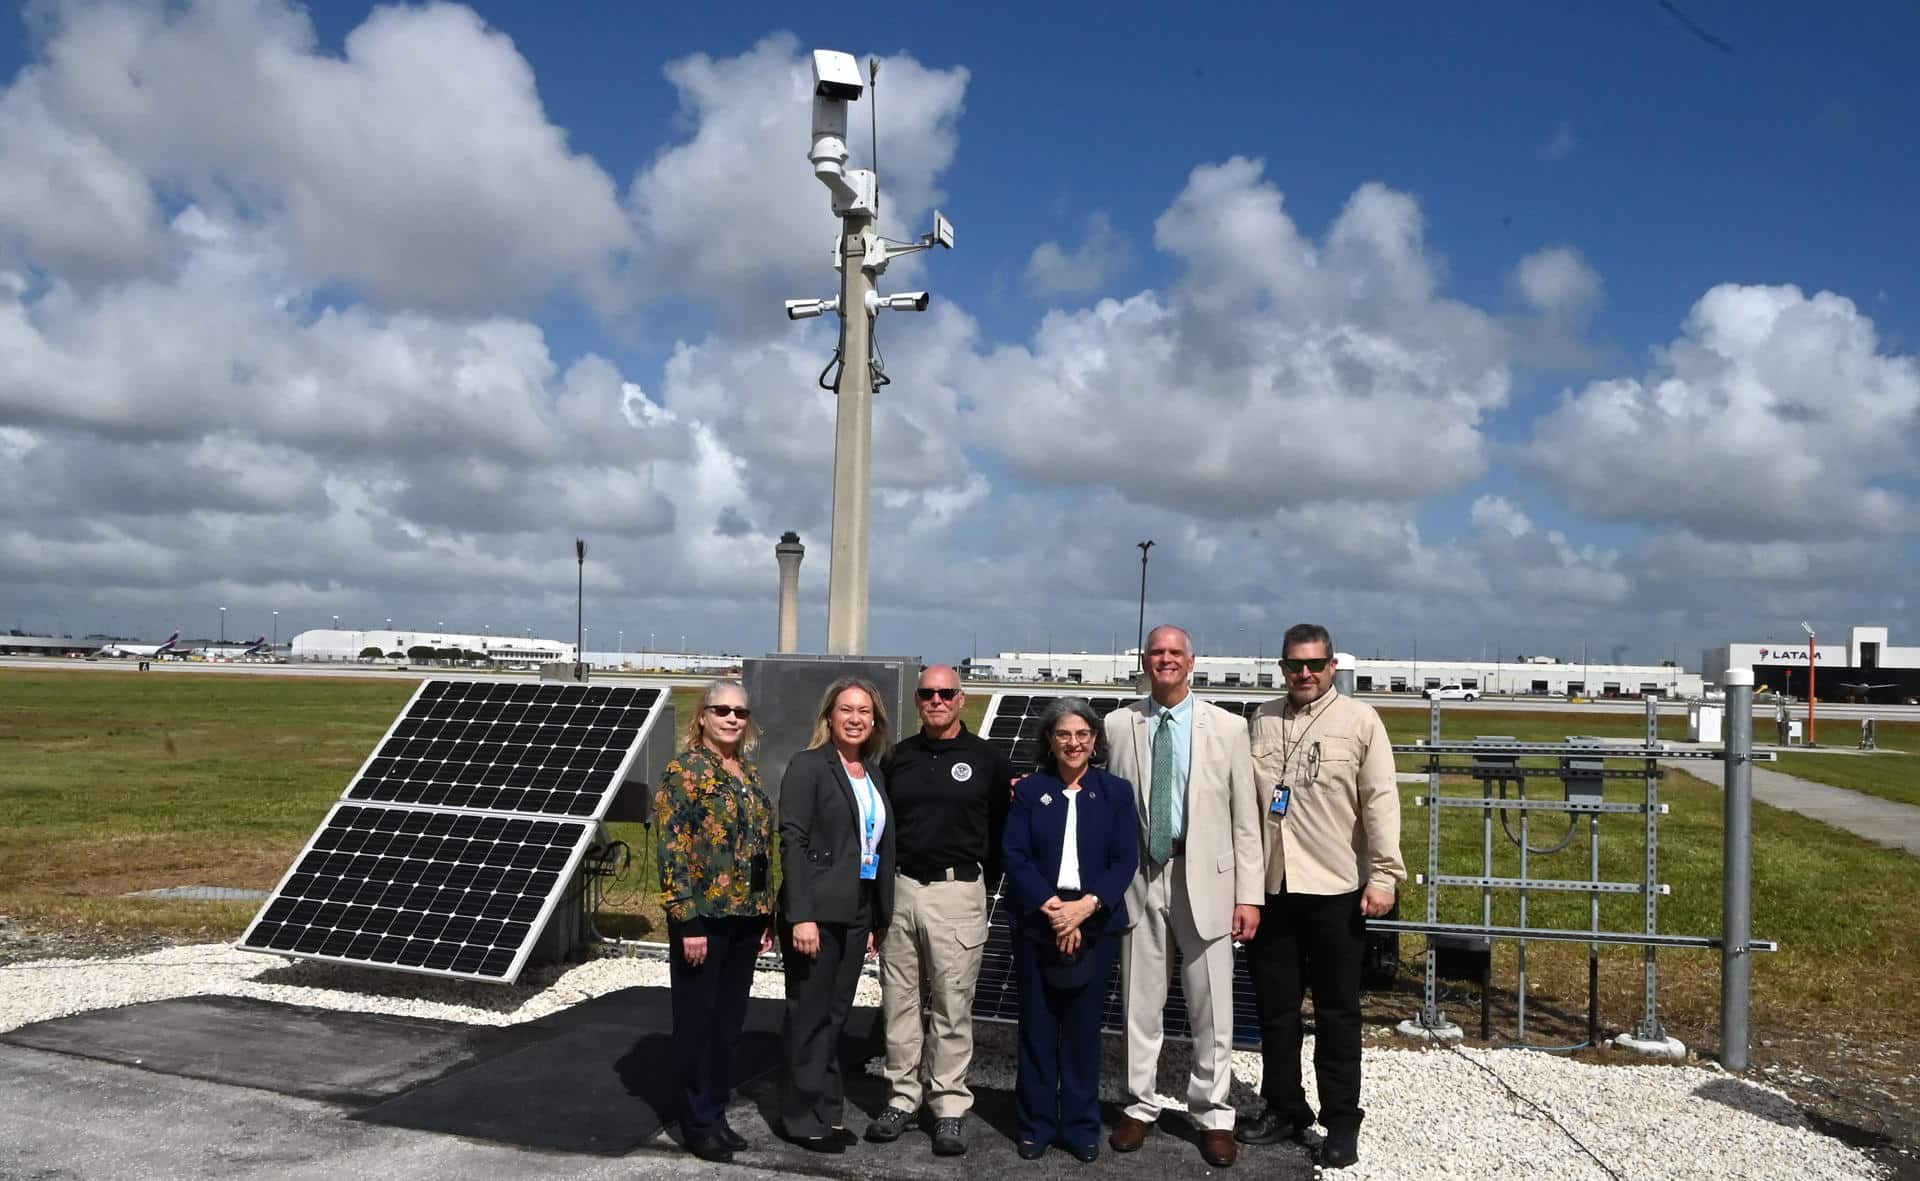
column 1072, row 844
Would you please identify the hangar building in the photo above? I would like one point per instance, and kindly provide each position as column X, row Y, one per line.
column 1864, row 667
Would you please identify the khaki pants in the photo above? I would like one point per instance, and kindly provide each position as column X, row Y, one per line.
column 1206, row 976
column 937, row 936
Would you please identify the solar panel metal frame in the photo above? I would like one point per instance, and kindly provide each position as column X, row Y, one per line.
column 1000, row 1002
column 539, row 925
column 659, row 705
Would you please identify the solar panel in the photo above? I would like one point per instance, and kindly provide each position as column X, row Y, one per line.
column 1012, row 723
column 421, row 888
column 503, row 746
column 453, row 844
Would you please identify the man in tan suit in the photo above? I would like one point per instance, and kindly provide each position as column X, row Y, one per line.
column 1332, row 827
column 1199, row 887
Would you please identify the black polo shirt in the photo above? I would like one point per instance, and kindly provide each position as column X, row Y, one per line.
column 948, row 799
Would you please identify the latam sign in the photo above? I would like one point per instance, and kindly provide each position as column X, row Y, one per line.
column 1780, row 655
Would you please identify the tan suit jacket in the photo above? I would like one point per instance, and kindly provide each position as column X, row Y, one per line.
column 1224, row 862
column 1342, row 827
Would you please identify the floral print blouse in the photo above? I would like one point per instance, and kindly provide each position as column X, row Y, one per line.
column 716, row 840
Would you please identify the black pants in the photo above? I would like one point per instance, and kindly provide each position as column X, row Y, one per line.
column 819, row 998
column 709, row 1007
column 1317, row 941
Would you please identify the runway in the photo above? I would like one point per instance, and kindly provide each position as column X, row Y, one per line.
column 1406, row 701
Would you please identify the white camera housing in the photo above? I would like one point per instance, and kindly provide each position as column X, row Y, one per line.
column 807, row 309
column 836, row 76
column 906, row 301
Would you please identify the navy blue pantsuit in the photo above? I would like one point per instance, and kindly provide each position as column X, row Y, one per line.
column 1057, row 1096
column 1057, row 1093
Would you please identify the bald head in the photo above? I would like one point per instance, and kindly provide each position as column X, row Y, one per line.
column 940, row 701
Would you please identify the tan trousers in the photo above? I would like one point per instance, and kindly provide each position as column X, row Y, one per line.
column 1206, row 975
column 937, row 936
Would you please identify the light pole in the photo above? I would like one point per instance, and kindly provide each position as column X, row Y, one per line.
column 1813, row 651
column 223, row 625
column 579, row 600
column 864, row 256
column 620, row 644
column 1142, row 650
column 276, row 629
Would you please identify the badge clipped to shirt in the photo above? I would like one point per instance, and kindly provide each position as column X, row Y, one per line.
column 1282, row 796
column 869, row 866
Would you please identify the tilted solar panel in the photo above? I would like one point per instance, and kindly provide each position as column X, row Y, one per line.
column 541, row 749
column 451, row 847
column 422, row 889
column 1012, row 724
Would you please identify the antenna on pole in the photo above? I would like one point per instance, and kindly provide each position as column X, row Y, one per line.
column 873, row 129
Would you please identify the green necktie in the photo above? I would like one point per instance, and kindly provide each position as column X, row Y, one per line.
column 1160, row 793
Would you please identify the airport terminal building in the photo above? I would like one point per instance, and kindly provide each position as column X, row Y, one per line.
column 1540, row 676
column 1863, row 668
column 330, row 644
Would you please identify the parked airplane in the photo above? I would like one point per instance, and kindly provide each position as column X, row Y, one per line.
column 1860, row 693
column 236, row 651
column 146, row 651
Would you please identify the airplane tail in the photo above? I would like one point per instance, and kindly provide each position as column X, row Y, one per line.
column 168, row 646
column 258, row 646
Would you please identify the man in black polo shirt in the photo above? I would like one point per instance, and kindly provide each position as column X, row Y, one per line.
column 947, row 793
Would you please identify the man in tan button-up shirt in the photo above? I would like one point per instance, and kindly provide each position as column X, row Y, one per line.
column 1324, row 766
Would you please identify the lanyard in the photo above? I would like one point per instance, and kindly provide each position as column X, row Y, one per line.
column 869, row 811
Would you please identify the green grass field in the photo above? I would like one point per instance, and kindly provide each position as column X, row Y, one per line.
column 1892, row 772
column 114, row 782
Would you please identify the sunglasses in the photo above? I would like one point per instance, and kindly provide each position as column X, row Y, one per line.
column 942, row 694
column 731, row 711
column 1316, row 664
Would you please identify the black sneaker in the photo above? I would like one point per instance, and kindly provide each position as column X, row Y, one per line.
column 889, row 1124
column 731, row 1138
column 950, row 1136
column 1269, row 1127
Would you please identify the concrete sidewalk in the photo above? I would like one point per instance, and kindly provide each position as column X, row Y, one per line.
column 1884, row 822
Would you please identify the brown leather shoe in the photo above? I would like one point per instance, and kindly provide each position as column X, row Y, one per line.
column 1129, row 1134
column 1218, row 1149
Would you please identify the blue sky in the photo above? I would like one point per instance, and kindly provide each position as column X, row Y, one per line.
column 1512, row 325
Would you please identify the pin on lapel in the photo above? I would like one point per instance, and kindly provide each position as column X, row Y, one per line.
column 1046, row 800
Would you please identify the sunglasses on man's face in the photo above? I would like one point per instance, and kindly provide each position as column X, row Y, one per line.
column 1316, row 664
column 942, row 694
column 731, row 711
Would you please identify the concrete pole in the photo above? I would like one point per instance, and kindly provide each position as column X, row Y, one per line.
column 789, row 552
column 852, row 451
column 1736, row 899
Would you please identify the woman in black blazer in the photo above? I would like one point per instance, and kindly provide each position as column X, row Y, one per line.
column 1072, row 845
column 836, row 851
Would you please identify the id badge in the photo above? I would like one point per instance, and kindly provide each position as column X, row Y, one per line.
column 1282, row 796
column 869, row 867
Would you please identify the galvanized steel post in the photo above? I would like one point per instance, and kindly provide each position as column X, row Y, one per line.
column 1736, row 900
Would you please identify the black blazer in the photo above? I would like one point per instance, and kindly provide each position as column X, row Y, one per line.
column 820, row 842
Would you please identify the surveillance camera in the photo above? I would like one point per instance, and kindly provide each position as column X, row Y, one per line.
column 836, row 76
column 807, row 309
column 906, row 301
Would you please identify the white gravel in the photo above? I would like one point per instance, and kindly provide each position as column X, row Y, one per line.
column 1431, row 1113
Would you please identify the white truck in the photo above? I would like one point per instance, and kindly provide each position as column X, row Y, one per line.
column 1452, row 693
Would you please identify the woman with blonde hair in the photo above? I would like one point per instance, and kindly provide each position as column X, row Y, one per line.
column 836, row 859
column 715, row 828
